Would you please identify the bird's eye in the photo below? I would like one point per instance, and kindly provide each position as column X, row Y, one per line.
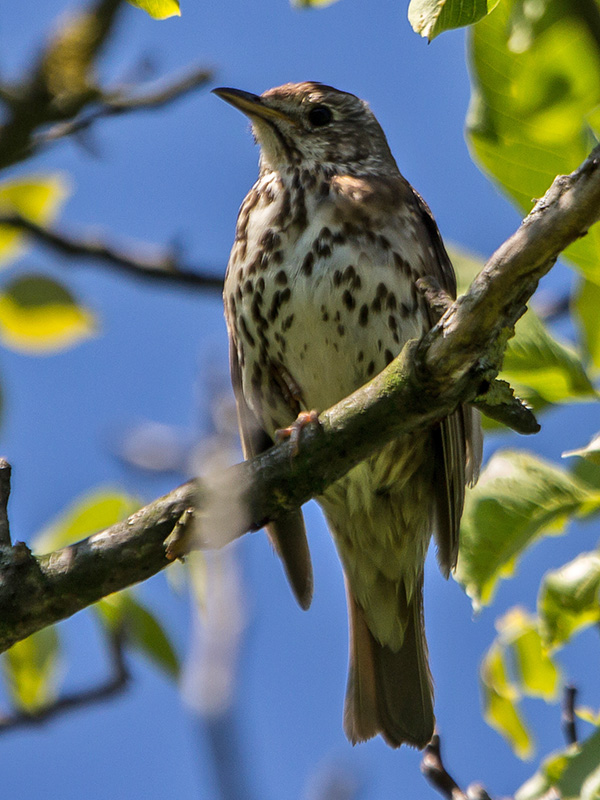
column 319, row 116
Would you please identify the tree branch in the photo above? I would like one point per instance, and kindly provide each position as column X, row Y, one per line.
column 112, row 686
column 162, row 267
column 568, row 718
column 120, row 101
column 435, row 772
column 455, row 360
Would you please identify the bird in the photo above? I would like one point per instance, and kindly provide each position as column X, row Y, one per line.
column 320, row 295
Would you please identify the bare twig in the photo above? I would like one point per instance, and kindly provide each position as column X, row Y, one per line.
column 435, row 772
column 163, row 267
column 120, row 101
column 423, row 385
column 115, row 684
column 568, row 718
column 5, row 471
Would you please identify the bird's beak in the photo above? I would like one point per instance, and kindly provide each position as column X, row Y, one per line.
column 251, row 104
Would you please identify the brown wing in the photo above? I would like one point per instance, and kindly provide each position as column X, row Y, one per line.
column 287, row 534
column 458, row 439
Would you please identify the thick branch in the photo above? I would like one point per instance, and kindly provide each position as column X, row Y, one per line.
column 423, row 385
column 162, row 267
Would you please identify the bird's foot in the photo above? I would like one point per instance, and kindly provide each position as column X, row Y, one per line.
column 293, row 431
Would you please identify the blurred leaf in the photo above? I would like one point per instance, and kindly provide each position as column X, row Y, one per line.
column 591, row 451
column 536, row 78
column 538, row 786
column 541, row 369
column 535, row 360
column 158, row 9
column 574, row 774
column 500, row 703
column 518, row 498
column 38, row 198
column 588, row 715
column 39, row 316
column 93, row 512
column 536, row 673
column 587, row 303
column 144, row 632
column 432, row 17
column 31, row 670
column 569, row 599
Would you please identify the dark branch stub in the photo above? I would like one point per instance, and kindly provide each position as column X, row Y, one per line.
column 567, row 716
column 5, row 472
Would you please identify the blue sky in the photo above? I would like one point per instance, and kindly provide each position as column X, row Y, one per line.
column 180, row 175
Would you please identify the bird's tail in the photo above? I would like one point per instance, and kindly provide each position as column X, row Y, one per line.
column 389, row 692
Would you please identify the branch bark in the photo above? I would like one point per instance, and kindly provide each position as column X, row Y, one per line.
column 457, row 361
column 164, row 268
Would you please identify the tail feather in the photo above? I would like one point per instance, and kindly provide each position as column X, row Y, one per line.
column 389, row 693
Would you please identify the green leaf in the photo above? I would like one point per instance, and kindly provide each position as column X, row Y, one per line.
column 518, row 498
column 587, row 303
column 541, row 369
column 591, row 452
column 536, row 673
column 93, row 512
column 31, row 670
column 573, row 773
column 39, row 316
column 37, row 198
column 500, row 703
column 569, row 599
column 158, row 9
column 534, row 360
column 143, row 630
column 432, row 17
column 536, row 78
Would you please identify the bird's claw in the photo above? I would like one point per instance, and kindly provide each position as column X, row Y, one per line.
column 293, row 431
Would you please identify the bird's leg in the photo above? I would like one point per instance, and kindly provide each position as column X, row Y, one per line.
column 293, row 431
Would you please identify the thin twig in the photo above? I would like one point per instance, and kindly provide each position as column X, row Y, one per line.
column 121, row 101
column 568, row 719
column 5, row 471
column 114, row 685
column 162, row 268
column 436, row 773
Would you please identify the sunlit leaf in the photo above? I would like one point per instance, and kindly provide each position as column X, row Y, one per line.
column 588, row 715
column 580, row 780
column 535, row 672
column 39, row 316
column 93, row 512
column 142, row 629
column 37, row 198
column 158, row 9
column 586, row 306
column 518, row 498
column 534, row 360
column 500, row 703
column 432, row 17
column 541, row 369
column 569, row 599
column 31, row 670
column 591, row 451
column 536, row 78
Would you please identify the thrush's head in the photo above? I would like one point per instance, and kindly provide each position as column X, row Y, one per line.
column 310, row 124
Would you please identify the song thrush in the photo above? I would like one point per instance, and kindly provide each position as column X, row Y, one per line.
column 320, row 295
